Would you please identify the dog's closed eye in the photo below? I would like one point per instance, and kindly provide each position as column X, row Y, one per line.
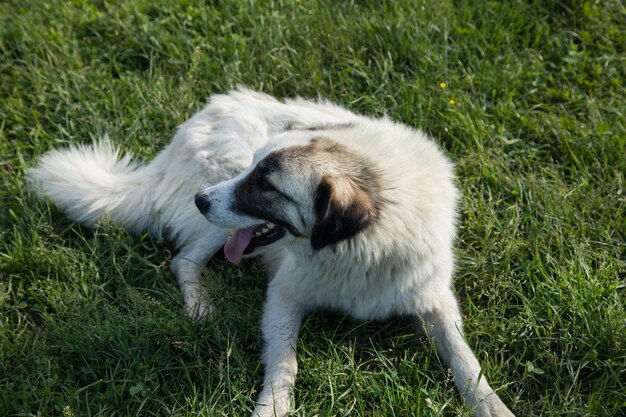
column 263, row 183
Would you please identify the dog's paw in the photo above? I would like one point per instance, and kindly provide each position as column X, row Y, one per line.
column 199, row 311
column 272, row 404
column 492, row 407
column 197, row 305
column 267, row 411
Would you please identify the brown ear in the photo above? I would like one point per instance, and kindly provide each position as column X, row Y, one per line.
column 342, row 208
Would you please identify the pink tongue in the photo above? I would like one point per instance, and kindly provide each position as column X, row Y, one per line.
column 238, row 242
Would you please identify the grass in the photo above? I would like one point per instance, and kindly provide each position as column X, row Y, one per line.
column 532, row 111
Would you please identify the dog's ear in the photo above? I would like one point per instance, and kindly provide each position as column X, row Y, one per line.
column 342, row 209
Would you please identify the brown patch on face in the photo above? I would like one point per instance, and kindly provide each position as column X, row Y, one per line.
column 342, row 208
column 347, row 198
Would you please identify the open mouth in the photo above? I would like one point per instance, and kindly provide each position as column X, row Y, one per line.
column 244, row 241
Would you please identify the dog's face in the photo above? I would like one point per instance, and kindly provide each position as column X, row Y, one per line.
column 316, row 190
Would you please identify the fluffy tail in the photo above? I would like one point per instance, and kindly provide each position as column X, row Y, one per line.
column 87, row 182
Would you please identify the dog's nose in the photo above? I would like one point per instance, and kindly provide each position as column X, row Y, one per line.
column 202, row 202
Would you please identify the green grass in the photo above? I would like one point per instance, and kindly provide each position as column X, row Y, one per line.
column 533, row 112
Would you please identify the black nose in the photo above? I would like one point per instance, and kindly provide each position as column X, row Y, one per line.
column 202, row 202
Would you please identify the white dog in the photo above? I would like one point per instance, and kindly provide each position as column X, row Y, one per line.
column 350, row 213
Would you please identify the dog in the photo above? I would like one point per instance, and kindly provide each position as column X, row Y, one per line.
column 349, row 213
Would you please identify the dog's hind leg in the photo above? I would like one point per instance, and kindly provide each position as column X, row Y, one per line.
column 443, row 324
column 187, row 266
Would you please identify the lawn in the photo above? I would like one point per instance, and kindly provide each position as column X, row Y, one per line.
column 527, row 97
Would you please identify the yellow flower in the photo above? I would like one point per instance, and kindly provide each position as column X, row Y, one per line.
column 452, row 102
column 442, row 85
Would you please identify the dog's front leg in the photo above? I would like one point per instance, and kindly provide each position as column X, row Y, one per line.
column 443, row 324
column 282, row 318
column 188, row 266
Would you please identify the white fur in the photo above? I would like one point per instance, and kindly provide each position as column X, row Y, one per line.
column 401, row 264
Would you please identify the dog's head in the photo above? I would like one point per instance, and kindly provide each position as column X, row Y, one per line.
column 313, row 189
